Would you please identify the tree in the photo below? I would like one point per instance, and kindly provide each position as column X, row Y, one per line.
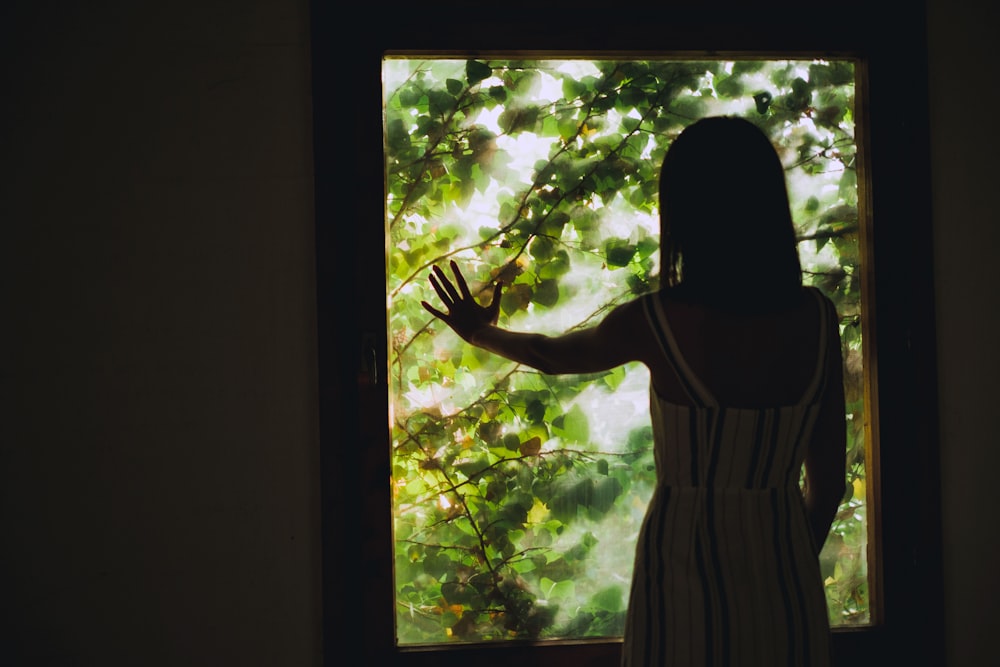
column 544, row 174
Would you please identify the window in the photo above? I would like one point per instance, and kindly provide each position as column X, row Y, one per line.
column 517, row 497
column 359, row 594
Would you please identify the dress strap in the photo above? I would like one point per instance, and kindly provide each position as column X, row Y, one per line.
column 819, row 375
column 657, row 318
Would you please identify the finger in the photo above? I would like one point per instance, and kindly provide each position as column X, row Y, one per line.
column 434, row 311
column 446, row 284
column 497, row 291
column 446, row 298
column 460, row 279
column 495, row 302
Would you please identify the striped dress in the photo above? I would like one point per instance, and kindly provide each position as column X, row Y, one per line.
column 726, row 571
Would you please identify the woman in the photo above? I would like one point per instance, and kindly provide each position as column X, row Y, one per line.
column 746, row 389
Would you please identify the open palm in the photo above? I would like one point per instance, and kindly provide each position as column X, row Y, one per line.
column 465, row 316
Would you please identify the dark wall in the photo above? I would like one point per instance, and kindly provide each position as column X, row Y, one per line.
column 158, row 475
column 964, row 146
column 159, row 439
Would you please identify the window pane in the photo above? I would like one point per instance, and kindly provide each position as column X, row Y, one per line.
column 517, row 497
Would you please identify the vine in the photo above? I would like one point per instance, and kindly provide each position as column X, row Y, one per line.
column 518, row 496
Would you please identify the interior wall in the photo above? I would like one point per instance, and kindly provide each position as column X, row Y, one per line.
column 158, row 468
column 964, row 149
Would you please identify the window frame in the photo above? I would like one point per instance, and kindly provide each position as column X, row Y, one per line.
column 358, row 589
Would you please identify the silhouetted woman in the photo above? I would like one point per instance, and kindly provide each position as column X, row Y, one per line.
column 746, row 388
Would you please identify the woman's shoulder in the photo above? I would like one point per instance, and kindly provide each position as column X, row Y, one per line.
column 631, row 310
column 679, row 303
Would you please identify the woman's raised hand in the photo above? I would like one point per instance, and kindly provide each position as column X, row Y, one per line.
column 465, row 316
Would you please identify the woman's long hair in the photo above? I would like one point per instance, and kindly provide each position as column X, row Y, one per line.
column 726, row 232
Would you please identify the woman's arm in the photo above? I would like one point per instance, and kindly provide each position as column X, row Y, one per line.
column 825, row 461
column 585, row 351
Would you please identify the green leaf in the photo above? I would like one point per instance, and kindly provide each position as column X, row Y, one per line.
column 763, row 101
column 836, row 73
column 556, row 590
column 606, row 492
column 848, row 186
column 397, row 137
column 549, row 127
column 476, row 71
column 541, row 248
column 618, row 252
column 436, row 565
column 731, row 86
column 647, row 247
column 609, row 599
column 800, row 96
column 535, row 411
column 440, row 102
column 688, row 108
column 498, row 93
column 605, row 101
column 574, row 427
column 631, row 96
column 572, row 88
column 557, row 266
column 546, row 293
column 614, row 377
column 630, row 124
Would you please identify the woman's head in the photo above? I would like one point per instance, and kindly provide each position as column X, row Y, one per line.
column 726, row 230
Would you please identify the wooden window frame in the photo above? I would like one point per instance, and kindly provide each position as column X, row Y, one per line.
column 358, row 587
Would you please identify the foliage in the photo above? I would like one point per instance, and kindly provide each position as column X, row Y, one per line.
column 518, row 496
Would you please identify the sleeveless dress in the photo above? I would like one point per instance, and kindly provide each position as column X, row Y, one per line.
column 726, row 570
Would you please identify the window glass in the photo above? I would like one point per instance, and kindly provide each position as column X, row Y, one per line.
column 517, row 497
